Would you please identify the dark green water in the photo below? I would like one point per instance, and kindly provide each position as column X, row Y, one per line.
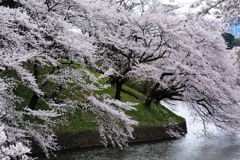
column 191, row 147
column 221, row 148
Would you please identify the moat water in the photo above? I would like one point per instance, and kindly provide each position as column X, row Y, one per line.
column 193, row 146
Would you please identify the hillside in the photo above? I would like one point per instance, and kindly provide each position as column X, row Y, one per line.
column 80, row 122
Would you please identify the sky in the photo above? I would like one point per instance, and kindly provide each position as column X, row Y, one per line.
column 184, row 3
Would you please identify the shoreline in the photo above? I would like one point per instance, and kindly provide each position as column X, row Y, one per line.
column 72, row 141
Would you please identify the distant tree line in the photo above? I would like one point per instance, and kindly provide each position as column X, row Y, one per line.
column 230, row 40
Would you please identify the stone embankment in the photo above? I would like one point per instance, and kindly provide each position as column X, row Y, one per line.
column 141, row 134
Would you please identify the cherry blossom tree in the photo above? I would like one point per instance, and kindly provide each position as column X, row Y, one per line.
column 202, row 75
column 235, row 55
column 124, row 39
column 38, row 36
column 227, row 10
column 183, row 55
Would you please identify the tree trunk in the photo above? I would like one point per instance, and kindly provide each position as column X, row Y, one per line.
column 151, row 95
column 118, row 90
column 148, row 102
column 119, row 83
column 33, row 101
column 35, row 97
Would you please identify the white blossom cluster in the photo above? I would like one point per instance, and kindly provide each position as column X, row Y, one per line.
column 12, row 151
column 227, row 10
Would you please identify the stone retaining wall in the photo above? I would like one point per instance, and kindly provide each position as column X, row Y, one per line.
column 141, row 134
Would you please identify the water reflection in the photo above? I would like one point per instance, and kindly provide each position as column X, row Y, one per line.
column 191, row 147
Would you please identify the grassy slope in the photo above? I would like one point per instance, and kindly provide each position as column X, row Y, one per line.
column 83, row 121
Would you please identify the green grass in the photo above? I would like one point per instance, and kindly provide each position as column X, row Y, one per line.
column 153, row 116
column 84, row 121
column 79, row 121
